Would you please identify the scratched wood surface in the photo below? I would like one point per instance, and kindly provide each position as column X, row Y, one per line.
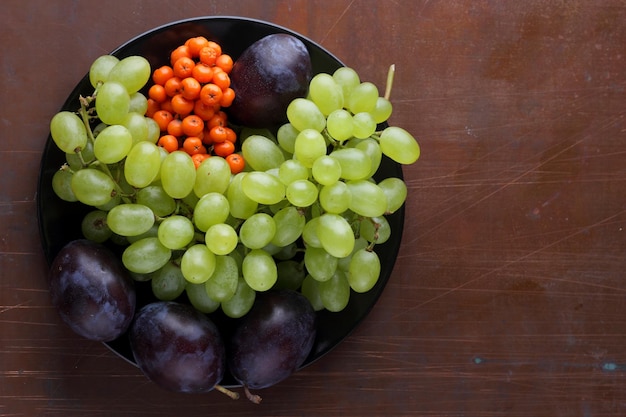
column 509, row 294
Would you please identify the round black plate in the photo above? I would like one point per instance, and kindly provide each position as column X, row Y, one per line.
column 59, row 221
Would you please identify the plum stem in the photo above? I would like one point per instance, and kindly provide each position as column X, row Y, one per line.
column 252, row 397
column 228, row 392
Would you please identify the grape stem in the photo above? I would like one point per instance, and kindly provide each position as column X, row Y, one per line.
column 390, row 75
column 84, row 114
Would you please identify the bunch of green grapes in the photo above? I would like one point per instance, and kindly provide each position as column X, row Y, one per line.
column 305, row 214
column 333, row 150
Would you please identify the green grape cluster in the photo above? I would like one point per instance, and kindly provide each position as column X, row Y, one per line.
column 305, row 214
column 333, row 149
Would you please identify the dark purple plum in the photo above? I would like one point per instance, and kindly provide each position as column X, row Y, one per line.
column 272, row 341
column 267, row 76
column 92, row 291
column 177, row 347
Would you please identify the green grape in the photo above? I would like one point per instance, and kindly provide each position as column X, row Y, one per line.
column 141, row 277
column 155, row 197
column 364, row 270
column 310, row 289
column 275, row 208
column 199, row 299
column 80, row 160
column 138, row 103
column 301, row 193
column 289, row 225
column 137, row 125
column 320, row 264
column 223, row 283
column 213, row 175
column 68, row 132
column 396, row 191
column 271, row 249
column 257, row 230
column 130, row 219
column 304, row 114
column 261, row 153
column 114, row 201
column 154, row 131
column 382, row 110
column 335, row 235
column 112, row 103
column 309, row 233
column 292, row 170
column 99, row 128
column 246, row 132
column 188, row 202
column 368, row 199
column 121, row 241
column 344, row 263
column 151, row 232
column 142, row 165
column 286, row 137
column 362, row 98
column 355, row 163
column 133, row 72
column 117, row 172
column 94, row 226
column 238, row 255
column 92, row 187
column 145, row 256
column 262, row 187
column 375, row 229
column 62, row 185
column 286, row 252
column 274, row 172
column 168, row 282
column 326, row 170
column 372, row 149
column 364, row 125
column 259, row 270
column 399, row 145
column 113, row 144
column 290, row 274
column 335, row 198
column 241, row 206
column 221, row 239
column 100, row 68
column 211, row 209
column 326, row 93
column 340, row 125
column 348, row 79
column 309, row 145
column 335, row 292
column 178, row 174
column 241, row 302
column 198, row 263
column 176, row 232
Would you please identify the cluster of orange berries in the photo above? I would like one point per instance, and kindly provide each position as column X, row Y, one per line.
column 186, row 101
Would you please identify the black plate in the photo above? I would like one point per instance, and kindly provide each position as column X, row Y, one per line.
column 59, row 221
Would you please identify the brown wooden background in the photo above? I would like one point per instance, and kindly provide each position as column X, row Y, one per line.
column 509, row 295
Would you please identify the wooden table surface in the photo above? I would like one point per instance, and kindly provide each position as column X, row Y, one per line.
column 509, row 294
